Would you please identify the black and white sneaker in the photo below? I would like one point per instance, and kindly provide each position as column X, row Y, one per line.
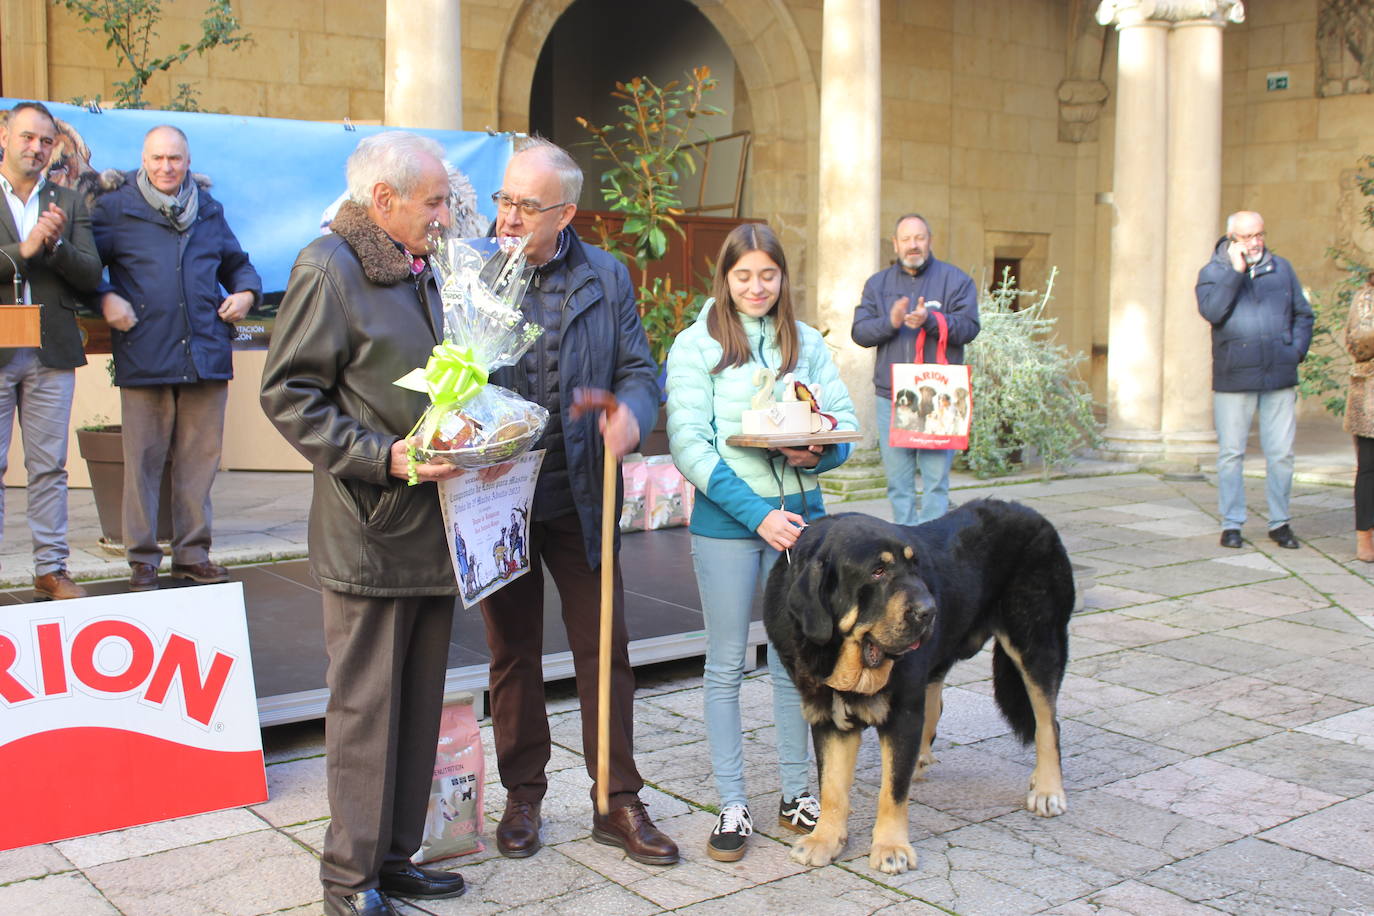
column 800, row 813
column 727, row 839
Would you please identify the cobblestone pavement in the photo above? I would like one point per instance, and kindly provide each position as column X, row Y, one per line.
column 1218, row 747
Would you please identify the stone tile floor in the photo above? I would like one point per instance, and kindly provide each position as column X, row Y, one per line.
column 1218, row 752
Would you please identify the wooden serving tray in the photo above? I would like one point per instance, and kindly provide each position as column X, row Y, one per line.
column 773, row 440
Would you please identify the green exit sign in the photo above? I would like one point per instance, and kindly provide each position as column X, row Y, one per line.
column 1276, row 82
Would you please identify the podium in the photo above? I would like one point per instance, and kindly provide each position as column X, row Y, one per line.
column 20, row 326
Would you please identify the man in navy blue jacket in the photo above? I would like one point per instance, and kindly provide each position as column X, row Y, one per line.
column 171, row 255
column 898, row 303
column 1261, row 328
column 584, row 300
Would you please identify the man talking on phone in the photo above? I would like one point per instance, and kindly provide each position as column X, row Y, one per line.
column 1261, row 328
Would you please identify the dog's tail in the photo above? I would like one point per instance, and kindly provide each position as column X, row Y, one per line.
column 1010, row 692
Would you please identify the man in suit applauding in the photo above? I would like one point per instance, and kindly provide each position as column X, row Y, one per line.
column 49, row 258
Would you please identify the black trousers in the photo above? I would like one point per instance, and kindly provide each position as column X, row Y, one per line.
column 1364, row 483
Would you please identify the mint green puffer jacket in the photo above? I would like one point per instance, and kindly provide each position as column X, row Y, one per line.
column 736, row 487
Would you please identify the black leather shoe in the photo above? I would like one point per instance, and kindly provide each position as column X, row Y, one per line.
column 363, row 903
column 422, row 883
column 517, row 835
column 142, row 577
column 202, row 573
column 1231, row 538
column 1284, row 537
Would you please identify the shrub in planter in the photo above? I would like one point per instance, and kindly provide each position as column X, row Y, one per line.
column 1027, row 394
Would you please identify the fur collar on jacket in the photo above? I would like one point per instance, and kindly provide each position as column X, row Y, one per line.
column 383, row 263
column 112, row 179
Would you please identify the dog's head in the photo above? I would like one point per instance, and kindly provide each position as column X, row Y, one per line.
column 856, row 591
column 906, row 398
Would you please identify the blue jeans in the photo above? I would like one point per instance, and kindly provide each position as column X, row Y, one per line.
column 1233, row 412
column 903, row 464
column 43, row 398
column 729, row 573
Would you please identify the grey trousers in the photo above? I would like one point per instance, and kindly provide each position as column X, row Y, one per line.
column 183, row 424
column 387, row 659
column 43, row 399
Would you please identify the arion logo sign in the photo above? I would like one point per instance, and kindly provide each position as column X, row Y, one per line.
column 115, row 657
column 157, row 686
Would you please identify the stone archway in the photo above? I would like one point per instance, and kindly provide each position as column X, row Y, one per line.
column 779, row 73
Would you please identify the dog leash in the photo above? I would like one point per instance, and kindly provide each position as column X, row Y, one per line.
column 782, row 496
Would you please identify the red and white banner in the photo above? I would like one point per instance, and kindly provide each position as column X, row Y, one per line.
column 125, row 709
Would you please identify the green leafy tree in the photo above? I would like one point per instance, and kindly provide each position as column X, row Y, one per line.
column 648, row 156
column 1026, row 390
column 129, row 27
column 1323, row 373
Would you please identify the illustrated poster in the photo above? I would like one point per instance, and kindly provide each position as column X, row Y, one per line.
column 487, row 525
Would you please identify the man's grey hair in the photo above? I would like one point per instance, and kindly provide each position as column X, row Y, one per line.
column 569, row 172
column 1231, row 220
column 392, row 157
column 897, row 226
column 173, row 128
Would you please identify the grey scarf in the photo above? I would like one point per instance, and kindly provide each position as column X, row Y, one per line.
column 180, row 210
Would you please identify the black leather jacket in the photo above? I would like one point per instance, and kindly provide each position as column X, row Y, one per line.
column 353, row 321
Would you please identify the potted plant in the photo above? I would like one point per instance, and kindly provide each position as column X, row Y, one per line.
column 101, row 444
column 647, row 158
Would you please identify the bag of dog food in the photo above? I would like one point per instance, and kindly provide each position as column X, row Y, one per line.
column 668, row 496
column 453, row 823
column 632, row 510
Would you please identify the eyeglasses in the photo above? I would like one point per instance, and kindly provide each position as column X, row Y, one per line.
column 504, row 202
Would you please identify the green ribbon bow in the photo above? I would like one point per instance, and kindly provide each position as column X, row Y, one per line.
column 453, row 376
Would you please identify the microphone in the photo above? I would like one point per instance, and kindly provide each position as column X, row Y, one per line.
column 18, row 294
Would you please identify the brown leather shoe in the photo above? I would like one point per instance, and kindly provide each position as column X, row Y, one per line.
column 205, row 572
column 56, row 586
column 631, row 829
column 142, row 577
column 517, row 835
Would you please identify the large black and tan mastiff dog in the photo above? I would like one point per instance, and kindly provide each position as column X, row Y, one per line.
column 869, row 617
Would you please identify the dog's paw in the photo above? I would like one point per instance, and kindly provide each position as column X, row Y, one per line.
column 816, row 850
column 1046, row 804
column 892, row 858
column 924, row 762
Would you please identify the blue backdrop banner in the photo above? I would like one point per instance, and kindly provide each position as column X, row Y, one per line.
column 275, row 177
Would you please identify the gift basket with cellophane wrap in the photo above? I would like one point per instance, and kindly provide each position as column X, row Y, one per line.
column 469, row 422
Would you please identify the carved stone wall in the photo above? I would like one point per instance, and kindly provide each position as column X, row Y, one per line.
column 1345, row 47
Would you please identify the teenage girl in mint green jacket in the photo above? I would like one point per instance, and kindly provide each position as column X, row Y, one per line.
column 751, row 503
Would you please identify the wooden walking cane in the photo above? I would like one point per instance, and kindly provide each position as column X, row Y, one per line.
column 584, row 401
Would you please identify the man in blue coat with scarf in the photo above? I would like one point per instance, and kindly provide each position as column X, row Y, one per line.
column 171, row 257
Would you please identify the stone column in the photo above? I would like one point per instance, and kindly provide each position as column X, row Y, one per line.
column 850, row 177
column 424, row 64
column 1195, row 222
column 24, row 48
column 1140, row 175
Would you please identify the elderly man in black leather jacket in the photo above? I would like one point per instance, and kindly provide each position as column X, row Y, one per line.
column 361, row 309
